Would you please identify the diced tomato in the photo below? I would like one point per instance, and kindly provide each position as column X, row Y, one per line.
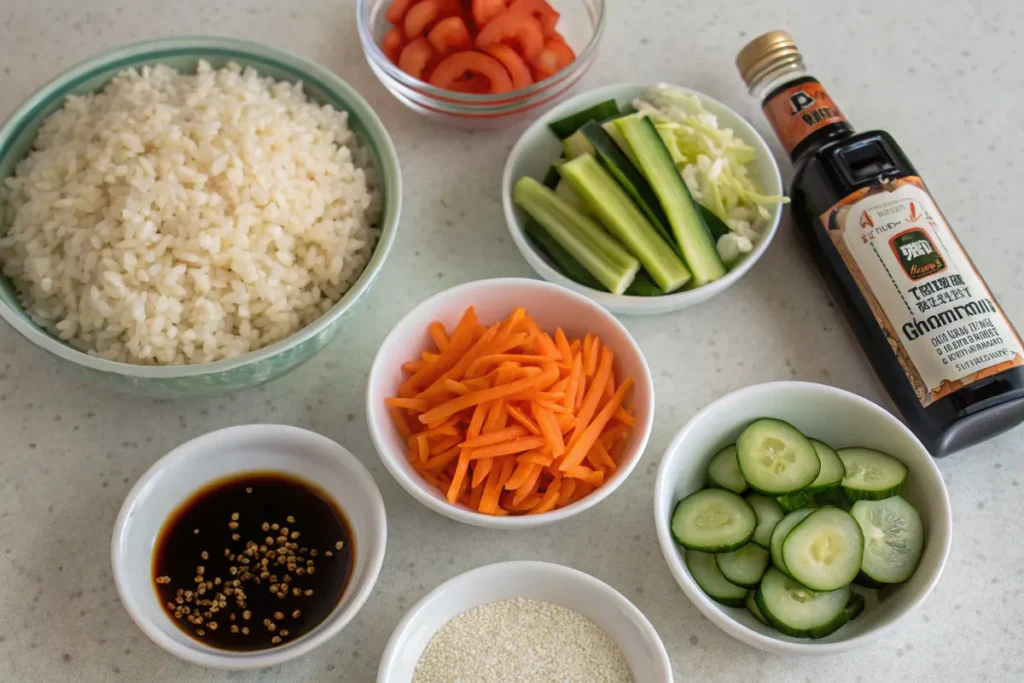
column 449, row 35
column 394, row 41
column 541, row 11
column 485, row 10
column 425, row 13
column 515, row 26
column 415, row 57
column 554, row 57
column 513, row 63
column 456, row 69
column 472, row 84
column 397, row 9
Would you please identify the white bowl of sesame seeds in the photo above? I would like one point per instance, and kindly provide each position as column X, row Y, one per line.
column 493, row 615
column 226, row 454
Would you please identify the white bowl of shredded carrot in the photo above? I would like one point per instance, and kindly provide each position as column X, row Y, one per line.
column 509, row 403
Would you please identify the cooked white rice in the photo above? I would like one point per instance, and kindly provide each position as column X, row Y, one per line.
column 178, row 219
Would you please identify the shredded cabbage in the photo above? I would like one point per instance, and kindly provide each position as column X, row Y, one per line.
column 712, row 161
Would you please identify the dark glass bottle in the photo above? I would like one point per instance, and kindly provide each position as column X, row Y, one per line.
column 942, row 347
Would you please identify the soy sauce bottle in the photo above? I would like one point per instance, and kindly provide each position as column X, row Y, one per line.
column 946, row 353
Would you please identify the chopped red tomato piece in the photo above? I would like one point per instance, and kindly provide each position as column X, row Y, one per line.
column 392, row 44
column 513, row 63
column 555, row 56
column 397, row 9
column 415, row 57
column 485, row 10
column 513, row 26
column 456, row 69
column 449, row 35
column 541, row 11
column 425, row 13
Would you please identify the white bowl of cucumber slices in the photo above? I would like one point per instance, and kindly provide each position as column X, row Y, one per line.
column 800, row 518
column 622, row 206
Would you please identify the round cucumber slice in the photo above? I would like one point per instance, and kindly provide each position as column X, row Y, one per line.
column 871, row 474
column 776, row 458
column 768, row 515
column 753, row 608
column 705, row 572
column 893, row 538
column 782, row 529
column 713, row 520
column 823, row 552
column 832, row 469
column 799, row 612
column 724, row 471
column 745, row 566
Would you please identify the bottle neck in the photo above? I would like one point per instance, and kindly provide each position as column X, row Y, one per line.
column 799, row 109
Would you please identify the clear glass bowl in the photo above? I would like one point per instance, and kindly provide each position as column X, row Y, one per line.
column 582, row 24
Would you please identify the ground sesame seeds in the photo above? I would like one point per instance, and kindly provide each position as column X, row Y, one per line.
column 522, row 641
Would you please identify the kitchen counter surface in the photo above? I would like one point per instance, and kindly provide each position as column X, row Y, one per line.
column 944, row 78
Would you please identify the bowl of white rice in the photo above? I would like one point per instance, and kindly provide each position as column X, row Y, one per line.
column 192, row 216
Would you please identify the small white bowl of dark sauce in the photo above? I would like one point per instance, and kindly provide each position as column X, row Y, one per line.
column 261, row 505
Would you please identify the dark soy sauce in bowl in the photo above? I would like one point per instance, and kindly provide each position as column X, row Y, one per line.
column 253, row 561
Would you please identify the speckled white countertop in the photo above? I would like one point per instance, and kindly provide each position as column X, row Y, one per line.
column 944, row 78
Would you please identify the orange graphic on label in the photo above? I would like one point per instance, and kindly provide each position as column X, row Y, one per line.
column 913, row 215
column 800, row 110
column 865, row 220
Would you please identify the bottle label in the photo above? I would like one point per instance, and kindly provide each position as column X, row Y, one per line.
column 800, row 110
column 943, row 324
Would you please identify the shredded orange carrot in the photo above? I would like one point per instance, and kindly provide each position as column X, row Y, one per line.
column 439, row 335
column 457, row 388
column 400, row 423
column 522, row 472
column 529, row 486
column 506, row 434
column 589, row 362
column 572, row 383
column 476, row 423
column 523, row 419
column 549, row 500
column 413, row 366
column 566, row 491
column 536, row 458
column 589, row 435
column 549, row 427
column 521, row 445
column 508, row 419
column 415, row 404
column 562, row 344
column 624, row 417
column 546, row 346
column 461, row 340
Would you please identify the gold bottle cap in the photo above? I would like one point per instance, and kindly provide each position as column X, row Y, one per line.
column 765, row 54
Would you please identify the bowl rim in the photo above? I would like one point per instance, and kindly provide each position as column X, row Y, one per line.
column 360, row 593
column 376, row 136
column 941, row 528
column 419, row 489
column 623, row 303
column 378, row 59
column 491, row 572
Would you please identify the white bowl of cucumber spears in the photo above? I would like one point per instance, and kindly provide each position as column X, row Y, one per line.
column 635, row 229
column 865, row 541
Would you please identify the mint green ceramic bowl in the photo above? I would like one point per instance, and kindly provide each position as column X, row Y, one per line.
column 252, row 369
